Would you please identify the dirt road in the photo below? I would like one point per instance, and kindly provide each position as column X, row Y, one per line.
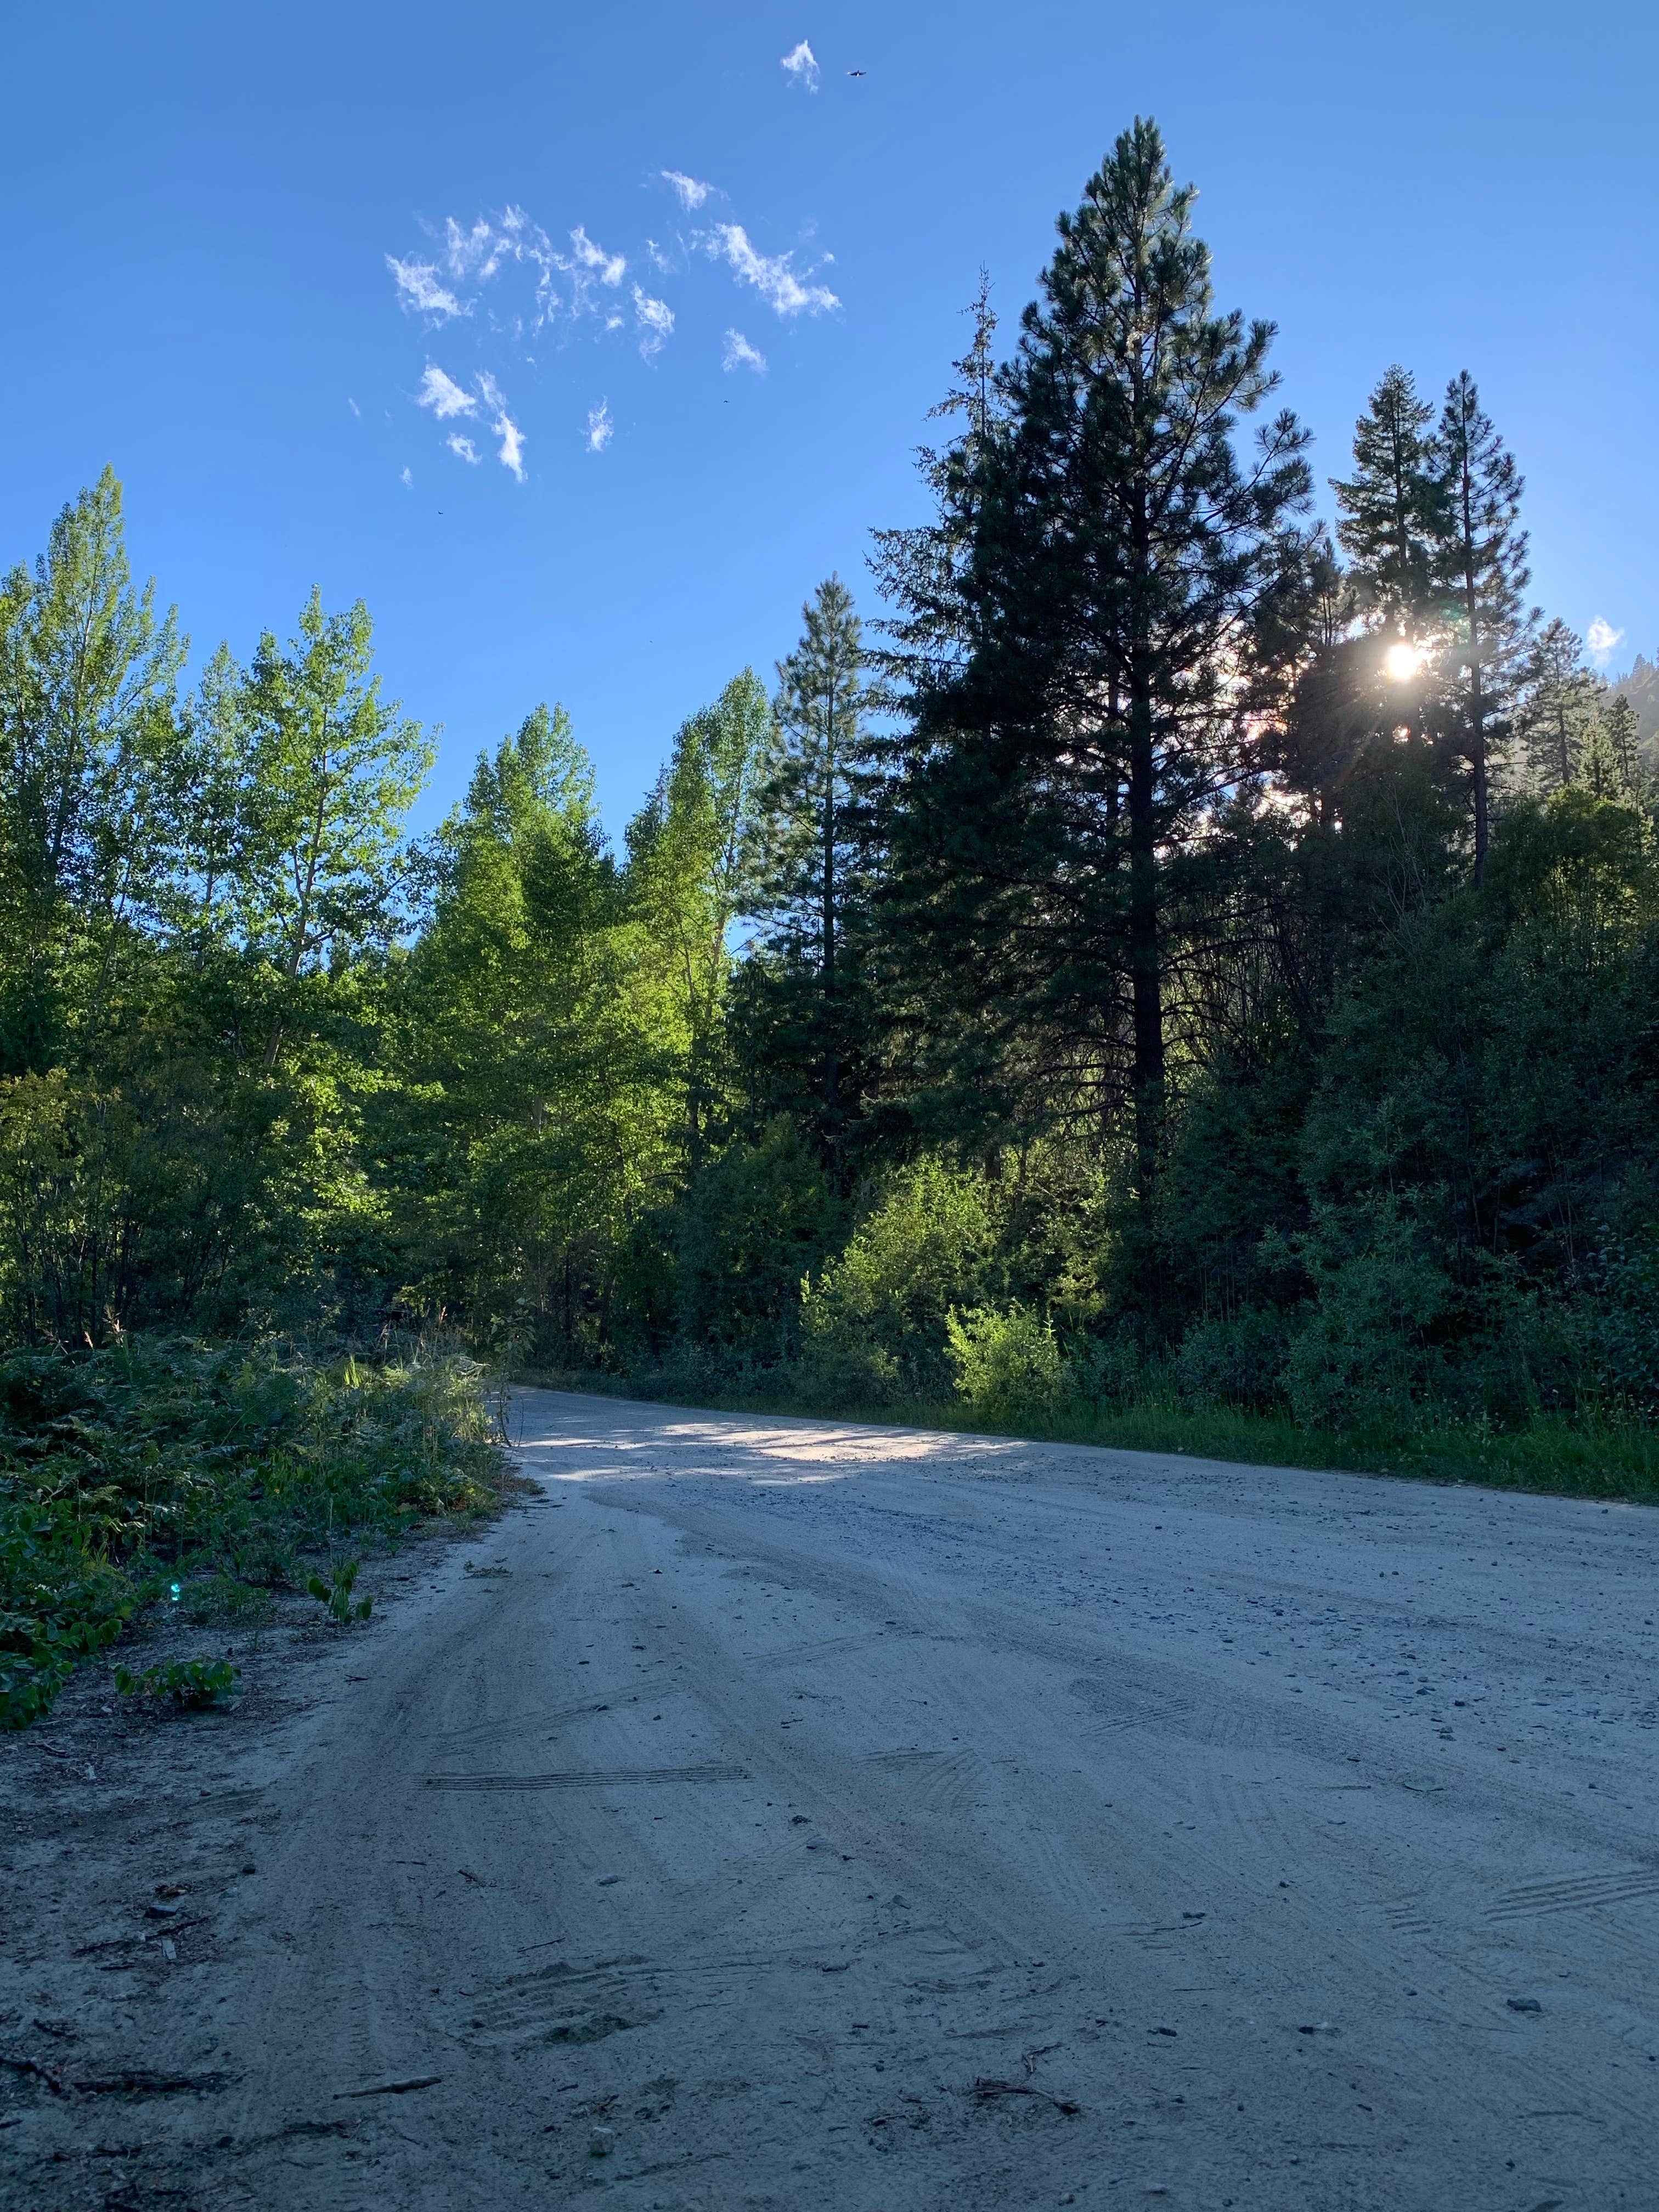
column 788, row 1814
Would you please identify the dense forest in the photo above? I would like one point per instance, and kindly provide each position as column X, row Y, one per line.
column 1170, row 950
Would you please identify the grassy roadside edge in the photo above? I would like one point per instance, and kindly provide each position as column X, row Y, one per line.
column 173, row 1481
column 1611, row 1463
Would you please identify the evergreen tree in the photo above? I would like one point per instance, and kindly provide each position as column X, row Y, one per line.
column 1482, row 563
column 814, row 807
column 1126, row 566
column 1623, row 727
column 1391, row 509
column 1601, row 772
column 1559, row 704
column 922, row 568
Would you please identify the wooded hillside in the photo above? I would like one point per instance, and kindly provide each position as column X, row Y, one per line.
column 1166, row 951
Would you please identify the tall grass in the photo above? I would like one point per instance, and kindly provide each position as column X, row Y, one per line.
column 173, row 1471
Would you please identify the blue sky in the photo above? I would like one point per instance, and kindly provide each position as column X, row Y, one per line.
column 206, row 203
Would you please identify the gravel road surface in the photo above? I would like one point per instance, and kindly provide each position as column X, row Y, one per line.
column 791, row 1814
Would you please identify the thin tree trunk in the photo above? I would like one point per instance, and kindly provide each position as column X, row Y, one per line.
column 1145, row 978
column 1477, row 704
column 832, row 1069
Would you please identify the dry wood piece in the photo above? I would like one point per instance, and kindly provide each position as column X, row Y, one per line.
column 393, row 2088
column 987, row 2091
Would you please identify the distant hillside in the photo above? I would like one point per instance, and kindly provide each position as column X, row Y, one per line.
column 1641, row 688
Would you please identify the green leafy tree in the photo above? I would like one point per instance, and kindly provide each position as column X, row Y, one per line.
column 693, row 858
column 545, row 1116
column 332, row 768
column 88, row 675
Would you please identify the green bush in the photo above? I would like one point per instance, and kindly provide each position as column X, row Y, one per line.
column 874, row 1323
column 1007, row 1364
column 715, row 1279
column 1234, row 1360
column 334, row 1593
column 1626, row 1347
column 1363, row 1354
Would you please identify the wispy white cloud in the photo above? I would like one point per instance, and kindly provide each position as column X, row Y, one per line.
column 511, row 451
column 690, row 191
column 1601, row 637
column 419, row 291
column 770, row 274
column 655, row 318
column 472, row 253
column 801, row 65
column 443, row 395
column 739, row 354
column 609, row 268
column 355, row 408
column 511, row 454
column 407, row 481
column 504, row 270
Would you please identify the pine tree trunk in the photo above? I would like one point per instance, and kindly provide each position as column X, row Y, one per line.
column 1147, row 982
column 831, row 1070
column 1477, row 703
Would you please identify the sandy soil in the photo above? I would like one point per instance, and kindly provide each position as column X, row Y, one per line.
column 790, row 1814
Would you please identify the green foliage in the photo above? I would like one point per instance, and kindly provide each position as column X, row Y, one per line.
column 718, row 1275
column 1190, row 982
column 125, row 1471
column 333, row 1592
column 875, row 1322
column 1007, row 1364
column 193, row 1685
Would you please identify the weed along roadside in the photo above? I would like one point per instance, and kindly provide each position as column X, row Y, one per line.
column 164, row 1493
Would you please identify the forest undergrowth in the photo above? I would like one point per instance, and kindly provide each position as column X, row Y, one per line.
column 165, row 1479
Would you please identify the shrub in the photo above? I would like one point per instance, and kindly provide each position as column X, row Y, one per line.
column 1363, row 1353
column 876, row 1319
column 1236, row 1359
column 1118, row 1368
column 751, row 1224
column 1626, row 1349
column 335, row 1594
column 192, row 1684
column 1007, row 1363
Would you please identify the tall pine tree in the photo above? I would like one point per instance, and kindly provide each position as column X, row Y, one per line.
column 1482, row 564
column 1391, row 508
column 1127, row 563
column 812, row 813
column 1558, row 706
